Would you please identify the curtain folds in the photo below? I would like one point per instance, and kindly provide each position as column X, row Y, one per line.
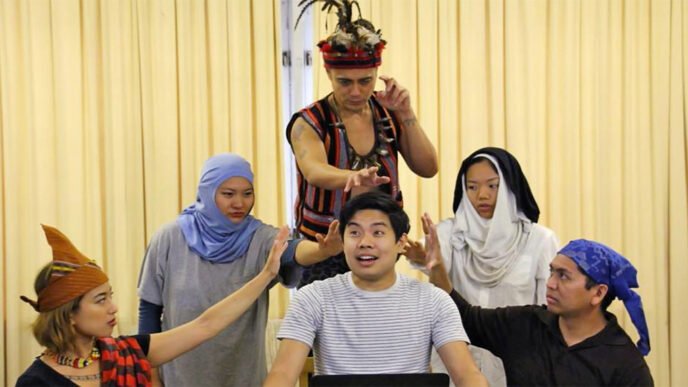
column 589, row 95
column 109, row 108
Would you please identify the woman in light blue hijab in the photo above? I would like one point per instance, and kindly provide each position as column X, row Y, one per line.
column 211, row 249
column 208, row 232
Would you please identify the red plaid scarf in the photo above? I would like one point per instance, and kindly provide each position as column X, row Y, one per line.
column 123, row 363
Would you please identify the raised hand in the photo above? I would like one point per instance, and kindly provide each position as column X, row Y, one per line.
column 330, row 244
column 366, row 177
column 272, row 265
column 394, row 97
column 433, row 256
column 414, row 252
column 433, row 252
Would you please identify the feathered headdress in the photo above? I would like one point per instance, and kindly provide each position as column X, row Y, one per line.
column 353, row 44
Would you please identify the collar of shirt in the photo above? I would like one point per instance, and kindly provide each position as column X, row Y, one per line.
column 612, row 334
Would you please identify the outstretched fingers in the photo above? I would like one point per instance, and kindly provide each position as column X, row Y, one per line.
column 278, row 246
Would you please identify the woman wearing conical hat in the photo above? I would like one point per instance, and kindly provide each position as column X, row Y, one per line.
column 77, row 316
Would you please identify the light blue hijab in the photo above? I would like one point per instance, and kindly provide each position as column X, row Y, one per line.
column 207, row 231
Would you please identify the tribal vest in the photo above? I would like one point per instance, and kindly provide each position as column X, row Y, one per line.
column 316, row 208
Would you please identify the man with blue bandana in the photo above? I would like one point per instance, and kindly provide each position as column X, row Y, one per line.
column 571, row 341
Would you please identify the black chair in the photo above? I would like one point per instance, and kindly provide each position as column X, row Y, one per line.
column 380, row 380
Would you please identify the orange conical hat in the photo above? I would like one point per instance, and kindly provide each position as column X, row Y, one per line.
column 73, row 274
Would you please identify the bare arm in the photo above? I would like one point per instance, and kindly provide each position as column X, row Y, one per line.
column 312, row 161
column 414, row 145
column 458, row 361
column 288, row 364
column 308, row 252
column 167, row 345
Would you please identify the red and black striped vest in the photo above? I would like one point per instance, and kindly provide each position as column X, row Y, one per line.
column 315, row 207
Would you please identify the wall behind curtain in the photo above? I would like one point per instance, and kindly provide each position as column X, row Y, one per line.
column 589, row 95
column 107, row 111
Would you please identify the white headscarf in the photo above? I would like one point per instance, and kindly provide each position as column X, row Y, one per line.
column 487, row 247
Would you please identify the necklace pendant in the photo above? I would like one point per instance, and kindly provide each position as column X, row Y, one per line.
column 384, row 138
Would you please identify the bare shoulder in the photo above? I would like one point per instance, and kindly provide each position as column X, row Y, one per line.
column 302, row 130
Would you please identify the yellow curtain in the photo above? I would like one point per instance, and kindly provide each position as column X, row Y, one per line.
column 589, row 95
column 107, row 111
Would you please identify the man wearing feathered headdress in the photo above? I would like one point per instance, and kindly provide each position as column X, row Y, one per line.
column 348, row 142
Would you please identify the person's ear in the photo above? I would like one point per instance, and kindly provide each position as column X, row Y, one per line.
column 600, row 291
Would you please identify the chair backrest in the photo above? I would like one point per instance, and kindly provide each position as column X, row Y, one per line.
column 306, row 372
column 380, row 380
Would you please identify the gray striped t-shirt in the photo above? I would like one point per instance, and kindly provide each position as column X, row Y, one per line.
column 353, row 331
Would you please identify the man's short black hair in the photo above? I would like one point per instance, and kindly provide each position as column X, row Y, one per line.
column 590, row 282
column 376, row 200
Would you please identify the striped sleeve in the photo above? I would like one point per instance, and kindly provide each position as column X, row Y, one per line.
column 446, row 325
column 304, row 316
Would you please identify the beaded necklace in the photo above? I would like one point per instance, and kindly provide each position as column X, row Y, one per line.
column 380, row 125
column 77, row 362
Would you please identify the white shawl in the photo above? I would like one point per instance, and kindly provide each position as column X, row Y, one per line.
column 493, row 244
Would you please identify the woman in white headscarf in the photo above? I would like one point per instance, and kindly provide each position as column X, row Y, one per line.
column 494, row 251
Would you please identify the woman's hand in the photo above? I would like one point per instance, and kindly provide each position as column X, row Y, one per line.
column 330, row 244
column 414, row 252
column 272, row 265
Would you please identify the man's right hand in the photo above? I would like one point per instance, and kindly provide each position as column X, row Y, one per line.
column 366, row 177
column 433, row 252
column 433, row 256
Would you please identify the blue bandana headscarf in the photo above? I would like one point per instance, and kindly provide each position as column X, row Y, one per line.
column 608, row 267
column 207, row 231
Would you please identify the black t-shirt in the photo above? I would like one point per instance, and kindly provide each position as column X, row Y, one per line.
column 534, row 353
column 41, row 374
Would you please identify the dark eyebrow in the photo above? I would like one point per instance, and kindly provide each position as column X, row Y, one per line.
column 559, row 269
column 380, row 223
column 490, row 179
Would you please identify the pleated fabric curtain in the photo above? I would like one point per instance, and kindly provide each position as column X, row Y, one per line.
column 107, row 111
column 589, row 95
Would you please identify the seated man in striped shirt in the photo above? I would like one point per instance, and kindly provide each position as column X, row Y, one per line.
column 372, row 320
